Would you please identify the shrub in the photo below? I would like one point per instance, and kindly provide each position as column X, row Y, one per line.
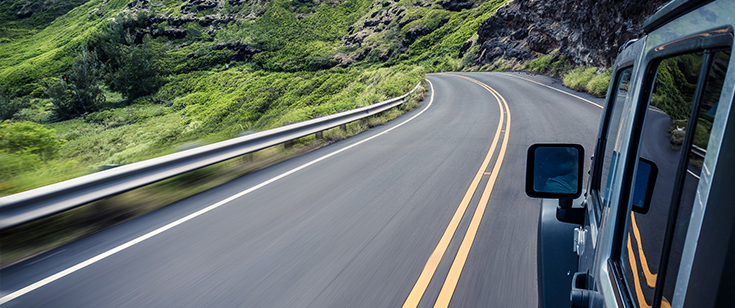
column 9, row 105
column 29, row 138
column 135, row 71
column 14, row 164
column 540, row 64
column 579, row 77
column 597, row 86
column 84, row 79
column 78, row 92
column 61, row 96
column 133, row 66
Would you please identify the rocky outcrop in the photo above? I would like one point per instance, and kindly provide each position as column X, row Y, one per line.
column 457, row 5
column 196, row 6
column 587, row 32
column 135, row 3
column 243, row 52
column 382, row 32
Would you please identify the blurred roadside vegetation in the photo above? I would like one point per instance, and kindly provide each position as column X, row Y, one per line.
column 116, row 94
column 27, row 240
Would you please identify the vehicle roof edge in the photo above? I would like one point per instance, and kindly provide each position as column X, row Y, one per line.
column 671, row 11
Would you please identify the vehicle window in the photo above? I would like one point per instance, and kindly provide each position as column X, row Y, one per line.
column 610, row 155
column 676, row 111
column 697, row 151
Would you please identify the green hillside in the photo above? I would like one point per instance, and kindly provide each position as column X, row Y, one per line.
column 160, row 74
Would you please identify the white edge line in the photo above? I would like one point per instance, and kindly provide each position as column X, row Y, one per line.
column 160, row 230
column 555, row 89
column 586, row 100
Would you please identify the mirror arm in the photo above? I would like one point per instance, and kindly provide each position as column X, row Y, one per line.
column 566, row 213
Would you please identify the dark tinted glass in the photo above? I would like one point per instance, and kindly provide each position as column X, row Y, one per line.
column 619, row 103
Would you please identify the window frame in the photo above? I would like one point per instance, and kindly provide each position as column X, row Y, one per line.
column 599, row 155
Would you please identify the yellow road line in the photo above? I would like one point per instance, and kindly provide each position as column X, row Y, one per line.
column 430, row 268
column 636, row 281
column 650, row 277
column 450, row 284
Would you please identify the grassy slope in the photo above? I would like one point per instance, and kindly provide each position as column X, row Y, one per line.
column 216, row 103
column 13, row 27
column 35, row 54
column 439, row 50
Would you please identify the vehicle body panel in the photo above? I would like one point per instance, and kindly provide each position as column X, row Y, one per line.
column 704, row 275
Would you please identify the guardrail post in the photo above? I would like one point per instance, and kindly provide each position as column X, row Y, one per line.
column 319, row 136
column 288, row 144
column 343, row 127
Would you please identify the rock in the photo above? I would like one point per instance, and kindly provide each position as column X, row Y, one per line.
column 415, row 33
column 541, row 42
column 24, row 13
column 171, row 34
column 455, row 5
column 178, row 21
column 587, row 32
column 466, row 46
column 243, row 52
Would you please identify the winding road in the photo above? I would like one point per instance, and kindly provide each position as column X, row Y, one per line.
column 428, row 210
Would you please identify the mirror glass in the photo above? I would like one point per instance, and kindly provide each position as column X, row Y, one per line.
column 554, row 170
column 645, row 180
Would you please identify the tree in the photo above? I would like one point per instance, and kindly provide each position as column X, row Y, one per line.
column 135, row 70
column 132, row 65
column 84, row 80
column 79, row 92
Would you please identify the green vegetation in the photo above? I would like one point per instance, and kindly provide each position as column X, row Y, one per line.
column 440, row 49
column 209, row 107
column 676, row 81
column 48, row 50
column 588, row 80
column 78, row 93
column 29, row 138
column 105, row 86
column 25, row 147
column 552, row 64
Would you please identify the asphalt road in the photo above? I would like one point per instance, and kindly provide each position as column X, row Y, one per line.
column 353, row 230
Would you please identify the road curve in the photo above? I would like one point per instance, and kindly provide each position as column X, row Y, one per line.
column 354, row 229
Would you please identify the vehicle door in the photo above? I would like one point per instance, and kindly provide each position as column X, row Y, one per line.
column 679, row 101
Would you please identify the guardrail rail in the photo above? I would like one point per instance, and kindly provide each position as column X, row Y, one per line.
column 44, row 201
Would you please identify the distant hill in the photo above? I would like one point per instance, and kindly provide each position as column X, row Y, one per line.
column 39, row 37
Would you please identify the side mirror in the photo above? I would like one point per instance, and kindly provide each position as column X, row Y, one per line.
column 645, row 180
column 554, row 171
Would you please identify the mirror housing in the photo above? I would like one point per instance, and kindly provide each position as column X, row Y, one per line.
column 645, row 180
column 554, row 171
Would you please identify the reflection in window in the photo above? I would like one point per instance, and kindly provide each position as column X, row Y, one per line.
column 664, row 141
column 702, row 129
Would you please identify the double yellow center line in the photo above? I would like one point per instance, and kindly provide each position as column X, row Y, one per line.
column 445, row 295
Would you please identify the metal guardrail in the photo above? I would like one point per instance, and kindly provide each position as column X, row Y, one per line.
column 44, row 201
column 699, row 151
